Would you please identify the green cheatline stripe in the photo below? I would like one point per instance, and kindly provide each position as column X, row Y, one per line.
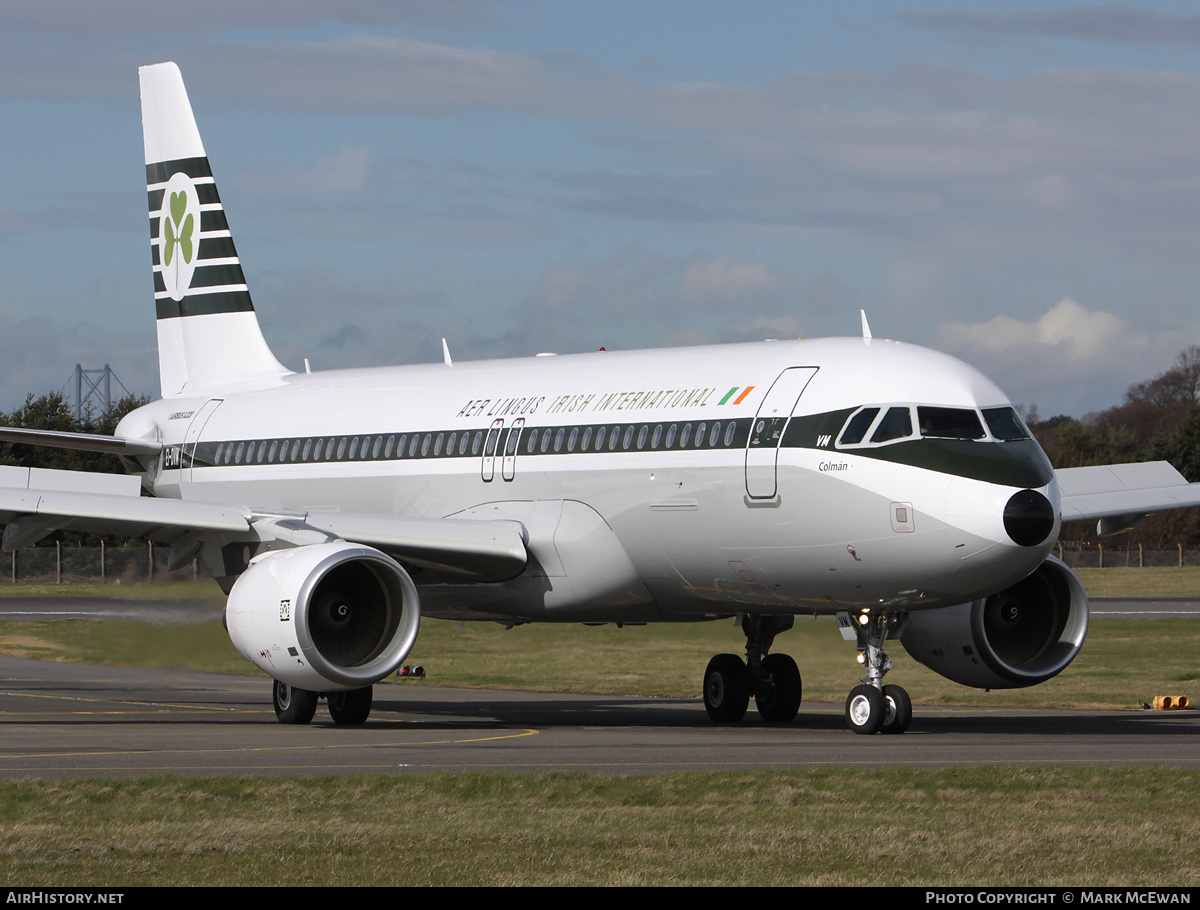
column 161, row 172
column 207, row 276
column 211, row 276
column 209, row 248
column 213, row 221
column 209, row 222
column 729, row 394
column 206, row 194
column 204, row 304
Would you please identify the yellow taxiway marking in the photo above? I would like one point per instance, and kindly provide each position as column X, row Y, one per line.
column 160, row 705
column 511, row 734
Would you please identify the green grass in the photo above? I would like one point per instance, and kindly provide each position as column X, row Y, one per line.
column 204, row 589
column 1124, row 582
column 1123, row 663
column 826, row 826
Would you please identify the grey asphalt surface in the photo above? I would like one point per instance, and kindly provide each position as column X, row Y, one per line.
column 60, row 719
column 79, row 720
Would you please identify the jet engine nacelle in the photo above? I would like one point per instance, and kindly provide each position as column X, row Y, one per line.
column 325, row 617
column 1023, row 636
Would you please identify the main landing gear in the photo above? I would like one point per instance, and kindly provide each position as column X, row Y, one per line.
column 873, row 707
column 297, row 706
column 773, row 679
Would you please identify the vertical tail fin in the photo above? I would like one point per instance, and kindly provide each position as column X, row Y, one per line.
column 209, row 339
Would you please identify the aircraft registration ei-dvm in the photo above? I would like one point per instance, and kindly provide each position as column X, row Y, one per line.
column 890, row 485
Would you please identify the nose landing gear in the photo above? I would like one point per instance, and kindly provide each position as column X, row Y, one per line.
column 873, row 707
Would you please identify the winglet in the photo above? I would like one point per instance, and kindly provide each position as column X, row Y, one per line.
column 866, row 328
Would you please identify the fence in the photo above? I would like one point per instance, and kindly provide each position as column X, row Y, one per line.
column 149, row 563
column 126, row 564
column 1093, row 556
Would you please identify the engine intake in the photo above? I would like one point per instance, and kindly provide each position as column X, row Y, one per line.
column 324, row 617
column 1022, row 636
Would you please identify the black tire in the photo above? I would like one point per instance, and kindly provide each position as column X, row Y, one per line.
column 726, row 689
column 865, row 709
column 779, row 699
column 350, row 708
column 897, row 710
column 292, row 705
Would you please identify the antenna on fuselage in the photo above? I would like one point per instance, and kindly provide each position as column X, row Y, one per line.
column 446, row 353
column 866, row 328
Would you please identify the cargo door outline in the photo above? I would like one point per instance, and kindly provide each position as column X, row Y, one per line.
column 508, row 468
column 766, row 432
column 488, row 469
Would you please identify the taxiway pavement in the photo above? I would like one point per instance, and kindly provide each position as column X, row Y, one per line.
column 59, row 720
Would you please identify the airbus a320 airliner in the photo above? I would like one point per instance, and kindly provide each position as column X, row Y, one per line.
column 890, row 485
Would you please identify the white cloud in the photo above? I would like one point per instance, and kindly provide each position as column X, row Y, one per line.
column 1069, row 359
column 1067, row 331
column 725, row 278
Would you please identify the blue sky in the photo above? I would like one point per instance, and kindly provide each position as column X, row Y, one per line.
column 1015, row 183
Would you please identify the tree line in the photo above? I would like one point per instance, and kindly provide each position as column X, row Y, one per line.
column 1159, row 420
column 52, row 411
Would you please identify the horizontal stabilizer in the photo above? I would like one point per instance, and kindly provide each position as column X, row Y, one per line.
column 84, row 442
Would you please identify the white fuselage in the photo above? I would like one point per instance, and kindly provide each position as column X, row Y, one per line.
column 694, row 510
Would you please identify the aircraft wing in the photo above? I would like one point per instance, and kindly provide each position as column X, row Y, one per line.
column 1119, row 495
column 36, row 501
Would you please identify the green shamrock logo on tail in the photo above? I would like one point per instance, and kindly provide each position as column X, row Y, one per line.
column 176, row 235
column 179, row 234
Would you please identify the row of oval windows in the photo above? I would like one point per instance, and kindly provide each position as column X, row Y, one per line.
column 595, row 439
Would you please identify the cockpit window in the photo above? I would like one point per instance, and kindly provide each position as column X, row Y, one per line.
column 1005, row 424
column 950, row 423
column 857, row 428
column 896, row 424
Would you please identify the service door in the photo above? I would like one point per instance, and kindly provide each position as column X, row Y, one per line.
column 509, row 467
column 192, row 437
column 488, row 471
column 762, row 448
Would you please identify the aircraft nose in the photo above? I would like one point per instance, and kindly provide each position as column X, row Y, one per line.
column 1028, row 518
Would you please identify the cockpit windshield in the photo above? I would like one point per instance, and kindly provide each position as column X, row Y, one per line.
column 896, row 424
column 1005, row 424
column 857, row 426
column 950, row 423
column 879, row 424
